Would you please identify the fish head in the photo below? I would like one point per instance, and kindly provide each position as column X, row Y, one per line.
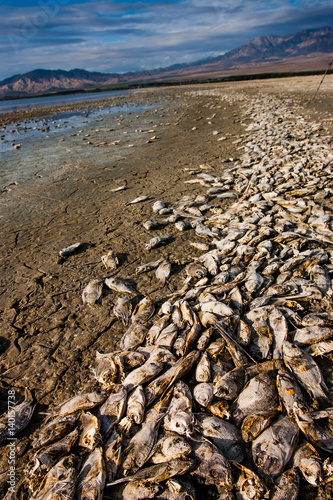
column 181, row 423
column 311, row 470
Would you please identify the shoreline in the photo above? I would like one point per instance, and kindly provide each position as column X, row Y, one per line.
column 45, row 325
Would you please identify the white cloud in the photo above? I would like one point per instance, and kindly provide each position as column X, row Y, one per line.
column 117, row 36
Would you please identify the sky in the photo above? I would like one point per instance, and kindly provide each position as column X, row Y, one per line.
column 116, row 36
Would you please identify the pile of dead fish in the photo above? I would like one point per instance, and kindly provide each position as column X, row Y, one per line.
column 221, row 393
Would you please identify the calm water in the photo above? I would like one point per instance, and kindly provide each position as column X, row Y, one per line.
column 27, row 132
column 40, row 102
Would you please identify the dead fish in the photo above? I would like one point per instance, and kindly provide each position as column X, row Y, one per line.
column 289, row 391
column 123, row 309
column 203, row 370
column 307, row 460
column 211, row 262
column 135, row 411
column 169, row 447
column 274, row 447
column 137, row 200
column 112, row 410
column 156, row 329
column 17, row 417
column 163, row 271
column 157, row 242
column 196, row 270
column 279, row 328
column 213, row 468
column 261, row 339
column 148, row 267
column 112, row 455
column 110, row 260
column 179, row 417
column 60, row 482
column 143, row 311
column 55, row 429
column 160, row 472
column 162, row 383
column 243, row 334
column 320, row 276
column 149, row 225
column 320, row 348
column 315, row 432
column 92, row 477
column 203, row 393
column 306, row 372
column 200, row 246
column 220, row 409
column 249, row 485
column 106, row 370
column 223, row 434
column 80, row 402
column 158, row 205
column 259, row 394
column 136, row 490
column 182, row 225
column 93, row 291
column 119, row 188
column 192, row 335
column 286, row 486
column 143, row 374
column 255, row 423
column 167, row 336
column 142, row 446
column 217, row 307
column 47, row 457
column 228, row 386
column 90, row 436
column 65, row 252
column 133, row 337
column 120, row 285
column 318, row 319
column 204, row 340
column 312, row 334
column 254, row 280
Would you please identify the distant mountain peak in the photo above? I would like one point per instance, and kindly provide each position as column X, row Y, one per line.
column 309, row 47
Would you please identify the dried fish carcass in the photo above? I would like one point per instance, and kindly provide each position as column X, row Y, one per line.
column 92, row 477
column 106, row 370
column 163, row 271
column 307, row 461
column 120, row 285
column 110, row 260
column 306, row 371
column 259, row 394
column 274, row 447
column 223, row 434
column 170, row 446
column 59, row 483
column 93, row 291
column 123, row 309
column 135, row 410
column 90, row 436
column 213, row 468
column 17, row 417
column 112, row 410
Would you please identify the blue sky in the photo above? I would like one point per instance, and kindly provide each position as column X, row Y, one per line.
column 119, row 36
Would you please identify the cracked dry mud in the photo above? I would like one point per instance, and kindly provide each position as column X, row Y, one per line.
column 48, row 338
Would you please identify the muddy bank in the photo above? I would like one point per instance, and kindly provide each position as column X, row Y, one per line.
column 49, row 339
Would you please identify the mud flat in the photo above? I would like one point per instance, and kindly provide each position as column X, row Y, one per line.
column 62, row 190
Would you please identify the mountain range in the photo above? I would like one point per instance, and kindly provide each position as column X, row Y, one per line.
column 307, row 50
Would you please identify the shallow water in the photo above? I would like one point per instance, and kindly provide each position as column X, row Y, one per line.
column 54, row 100
column 25, row 133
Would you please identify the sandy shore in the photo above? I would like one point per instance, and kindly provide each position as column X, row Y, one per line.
column 61, row 191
